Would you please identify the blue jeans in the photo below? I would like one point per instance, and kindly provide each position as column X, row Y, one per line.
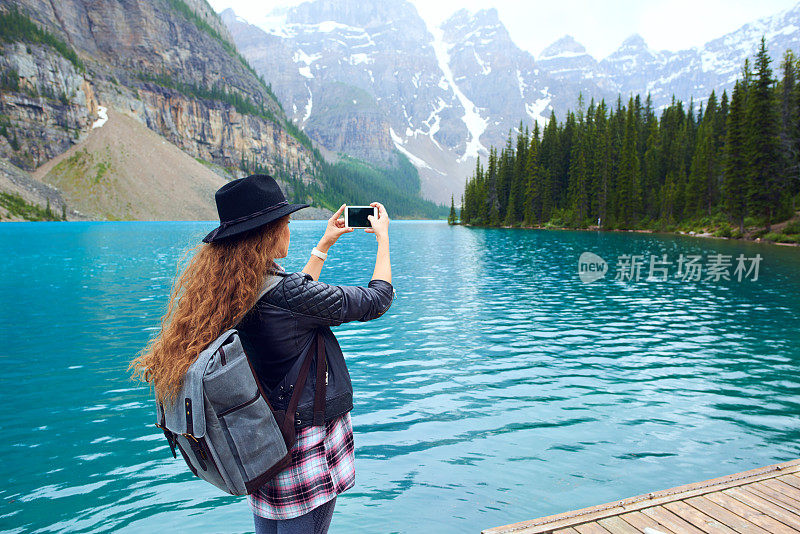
column 315, row 521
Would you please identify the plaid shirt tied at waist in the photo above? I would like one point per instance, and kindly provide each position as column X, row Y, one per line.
column 323, row 465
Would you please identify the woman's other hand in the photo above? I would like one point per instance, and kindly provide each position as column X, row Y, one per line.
column 380, row 226
column 335, row 228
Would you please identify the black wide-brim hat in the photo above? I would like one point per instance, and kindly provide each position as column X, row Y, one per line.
column 247, row 203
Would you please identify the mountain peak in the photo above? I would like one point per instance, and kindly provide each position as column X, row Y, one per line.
column 566, row 46
column 487, row 16
column 227, row 15
column 358, row 13
column 634, row 48
column 465, row 18
column 483, row 25
column 634, row 42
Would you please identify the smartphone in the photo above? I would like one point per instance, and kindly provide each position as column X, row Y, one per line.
column 356, row 216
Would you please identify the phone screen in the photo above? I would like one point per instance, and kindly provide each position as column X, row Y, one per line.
column 358, row 217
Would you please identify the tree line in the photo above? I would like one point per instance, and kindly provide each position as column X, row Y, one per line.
column 735, row 162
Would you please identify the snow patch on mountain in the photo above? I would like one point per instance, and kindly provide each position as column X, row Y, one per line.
column 102, row 114
column 536, row 109
column 302, row 57
column 521, row 84
column 309, row 105
column 475, row 124
column 398, row 142
column 434, row 128
column 358, row 59
column 484, row 68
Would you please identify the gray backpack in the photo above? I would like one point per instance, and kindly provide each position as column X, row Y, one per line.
column 224, row 426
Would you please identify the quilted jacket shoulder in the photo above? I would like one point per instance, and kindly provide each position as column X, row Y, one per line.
column 317, row 303
column 300, row 293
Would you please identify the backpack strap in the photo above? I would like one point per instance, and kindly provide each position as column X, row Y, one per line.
column 322, row 379
column 319, row 398
column 221, row 339
column 167, row 433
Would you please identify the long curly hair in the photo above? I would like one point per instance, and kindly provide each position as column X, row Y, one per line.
column 219, row 286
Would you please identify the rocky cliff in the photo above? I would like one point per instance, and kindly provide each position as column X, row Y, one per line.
column 169, row 64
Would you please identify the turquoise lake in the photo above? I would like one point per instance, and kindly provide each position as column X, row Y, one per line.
column 498, row 387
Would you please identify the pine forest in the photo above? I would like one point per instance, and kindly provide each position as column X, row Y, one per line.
column 730, row 165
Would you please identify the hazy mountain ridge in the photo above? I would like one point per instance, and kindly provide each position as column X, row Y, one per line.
column 446, row 93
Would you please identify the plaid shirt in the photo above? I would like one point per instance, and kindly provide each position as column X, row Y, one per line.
column 323, row 465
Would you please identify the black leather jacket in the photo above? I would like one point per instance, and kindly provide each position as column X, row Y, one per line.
column 282, row 327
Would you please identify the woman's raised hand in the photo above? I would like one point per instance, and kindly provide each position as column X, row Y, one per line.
column 335, row 228
column 380, row 226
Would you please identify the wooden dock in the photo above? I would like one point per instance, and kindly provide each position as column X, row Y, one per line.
column 760, row 501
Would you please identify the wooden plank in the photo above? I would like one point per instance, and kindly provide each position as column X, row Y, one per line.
column 697, row 518
column 764, row 506
column 665, row 517
column 568, row 530
column 753, row 515
column 641, row 521
column 590, row 528
column 724, row 515
column 769, row 489
column 593, row 513
column 616, row 525
column 790, row 479
column 787, row 489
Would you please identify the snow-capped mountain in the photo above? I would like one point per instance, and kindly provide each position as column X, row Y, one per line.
column 567, row 59
column 369, row 78
column 694, row 73
column 495, row 78
column 363, row 78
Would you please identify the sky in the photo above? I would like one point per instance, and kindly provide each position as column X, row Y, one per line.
column 599, row 26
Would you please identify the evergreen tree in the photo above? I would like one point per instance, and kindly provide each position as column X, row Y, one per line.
column 549, row 150
column 578, row 176
column 505, row 175
column 602, row 164
column 509, row 219
column 547, row 194
column 704, row 173
column 794, row 184
column 736, row 185
column 651, row 171
column 789, row 123
column 616, row 138
column 763, row 143
column 516, row 198
column 493, row 208
column 720, row 125
column 533, row 200
column 630, row 197
column 451, row 219
column 561, row 175
column 668, row 194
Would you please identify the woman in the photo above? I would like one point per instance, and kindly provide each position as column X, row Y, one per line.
column 233, row 281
